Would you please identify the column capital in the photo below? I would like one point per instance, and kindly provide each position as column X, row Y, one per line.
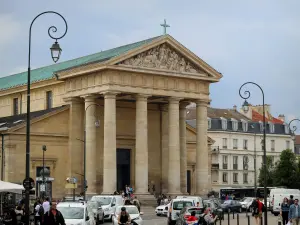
column 174, row 100
column 142, row 97
column 110, row 94
column 89, row 97
column 202, row 102
column 70, row 100
column 184, row 104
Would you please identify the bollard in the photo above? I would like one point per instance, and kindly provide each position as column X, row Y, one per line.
column 238, row 219
column 221, row 222
column 279, row 222
column 261, row 221
column 228, row 218
column 232, row 214
column 248, row 218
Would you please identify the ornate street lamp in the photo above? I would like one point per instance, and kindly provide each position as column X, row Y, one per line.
column 245, row 106
column 55, row 53
column 292, row 130
column 246, row 95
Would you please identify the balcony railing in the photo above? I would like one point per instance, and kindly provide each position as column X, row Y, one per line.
column 235, row 166
column 215, row 165
column 225, row 166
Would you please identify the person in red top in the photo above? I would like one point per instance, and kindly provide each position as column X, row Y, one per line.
column 257, row 206
column 192, row 217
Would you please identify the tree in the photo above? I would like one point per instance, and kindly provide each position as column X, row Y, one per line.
column 270, row 173
column 287, row 170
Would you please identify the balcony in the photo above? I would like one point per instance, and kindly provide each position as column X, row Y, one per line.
column 215, row 166
column 215, row 149
column 225, row 166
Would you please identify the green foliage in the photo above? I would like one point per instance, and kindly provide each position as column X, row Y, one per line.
column 270, row 173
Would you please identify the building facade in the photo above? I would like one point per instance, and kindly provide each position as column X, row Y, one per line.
column 131, row 104
column 237, row 153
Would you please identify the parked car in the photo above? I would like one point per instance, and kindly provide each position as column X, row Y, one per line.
column 246, row 203
column 184, row 214
column 161, row 210
column 133, row 212
column 108, row 204
column 76, row 213
column 175, row 207
column 231, row 206
column 215, row 209
column 97, row 210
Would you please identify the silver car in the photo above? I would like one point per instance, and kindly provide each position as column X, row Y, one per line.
column 97, row 210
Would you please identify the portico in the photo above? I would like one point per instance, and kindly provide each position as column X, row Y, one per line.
column 156, row 81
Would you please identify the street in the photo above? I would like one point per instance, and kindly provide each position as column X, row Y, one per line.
column 150, row 218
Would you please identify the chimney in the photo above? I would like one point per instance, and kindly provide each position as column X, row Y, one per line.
column 234, row 107
column 281, row 117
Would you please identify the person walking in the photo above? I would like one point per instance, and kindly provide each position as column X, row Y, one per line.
column 284, row 211
column 137, row 203
column 38, row 213
column 257, row 207
column 53, row 217
column 46, row 205
column 294, row 213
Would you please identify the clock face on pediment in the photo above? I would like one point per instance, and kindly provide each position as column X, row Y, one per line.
column 163, row 57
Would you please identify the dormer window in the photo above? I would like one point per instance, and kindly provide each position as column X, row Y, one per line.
column 224, row 123
column 286, row 128
column 261, row 126
column 244, row 125
column 235, row 124
column 209, row 122
column 271, row 127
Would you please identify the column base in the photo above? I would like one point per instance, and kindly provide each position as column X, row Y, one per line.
column 174, row 194
column 146, row 199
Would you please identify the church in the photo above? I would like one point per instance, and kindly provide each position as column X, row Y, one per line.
column 125, row 108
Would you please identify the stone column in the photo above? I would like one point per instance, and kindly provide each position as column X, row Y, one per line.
column 91, row 143
column 141, row 146
column 76, row 129
column 174, row 148
column 110, row 145
column 201, row 149
column 183, row 150
column 164, row 148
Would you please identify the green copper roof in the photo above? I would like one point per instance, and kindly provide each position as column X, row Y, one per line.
column 47, row 72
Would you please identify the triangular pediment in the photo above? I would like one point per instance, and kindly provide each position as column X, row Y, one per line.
column 163, row 57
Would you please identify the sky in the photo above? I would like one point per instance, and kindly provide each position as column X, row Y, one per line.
column 255, row 40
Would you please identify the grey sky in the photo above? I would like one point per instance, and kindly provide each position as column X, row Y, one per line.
column 245, row 40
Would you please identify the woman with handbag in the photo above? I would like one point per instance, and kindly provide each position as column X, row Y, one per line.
column 257, row 209
column 284, row 211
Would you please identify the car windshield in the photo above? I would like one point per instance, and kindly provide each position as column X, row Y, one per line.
column 247, row 200
column 181, row 204
column 129, row 210
column 71, row 212
column 102, row 200
column 196, row 210
column 93, row 205
column 227, row 202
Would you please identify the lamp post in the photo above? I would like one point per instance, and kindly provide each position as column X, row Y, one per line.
column 255, row 170
column 97, row 124
column 292, row 130
column 55, row 54
column 44, row 185
column 246, row 95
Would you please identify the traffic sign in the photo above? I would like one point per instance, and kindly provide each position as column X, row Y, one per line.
column 28, row 184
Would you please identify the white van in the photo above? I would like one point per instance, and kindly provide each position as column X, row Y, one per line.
column 175, row 206
column 278, row 194
column 108, row 204
column 194, row 198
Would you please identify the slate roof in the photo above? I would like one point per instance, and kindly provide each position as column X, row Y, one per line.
column 47, row 72
column 11, row 121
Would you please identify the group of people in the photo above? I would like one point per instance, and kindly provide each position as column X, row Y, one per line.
column 290, row 211
column 163, row 200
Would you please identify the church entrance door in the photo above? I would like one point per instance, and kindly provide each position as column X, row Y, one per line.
column 123, row 168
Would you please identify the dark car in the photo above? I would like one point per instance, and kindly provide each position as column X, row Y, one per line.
column 215, row 208
column 184, row 214
column 231, row 206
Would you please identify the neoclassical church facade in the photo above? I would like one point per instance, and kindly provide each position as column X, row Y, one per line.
column 128, row 106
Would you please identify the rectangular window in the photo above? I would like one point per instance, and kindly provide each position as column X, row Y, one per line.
column 261, row 126
column 48, row 99
column 225, row 178
column 271, row 127
column 224, row 123
column 209, row 123
column 245, row 178
column 245, row 144
column 225, row 162
column 245, row 125
column 235, row 143
column 272, row 145
column 235, row 162
column 234, row 124
column 235, row 177
column 16, row 106
column 225, row 143
column 287, row 143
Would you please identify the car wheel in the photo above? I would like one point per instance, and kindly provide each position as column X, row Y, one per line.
column 102, row 221
column 240, row 210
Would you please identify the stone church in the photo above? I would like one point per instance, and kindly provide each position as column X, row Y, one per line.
column 127, row 105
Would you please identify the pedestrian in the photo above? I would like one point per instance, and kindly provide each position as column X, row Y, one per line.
column 46, row 205
column 284, row 211
column 53, row 216
column 294, row 213
column 257, row 207
column 291, row 200
column 137, row 203
column 38, row 213
column 159, row 200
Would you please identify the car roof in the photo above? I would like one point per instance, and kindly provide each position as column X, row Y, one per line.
column 72, row 204
column 127, row 206
column 182, row 200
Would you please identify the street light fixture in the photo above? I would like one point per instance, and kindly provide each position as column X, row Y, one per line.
column 246, row 95
column 54, row 50
column 44, row 185
column 292, row 130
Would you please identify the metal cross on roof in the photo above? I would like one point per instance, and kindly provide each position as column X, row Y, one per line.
column 165, row 25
